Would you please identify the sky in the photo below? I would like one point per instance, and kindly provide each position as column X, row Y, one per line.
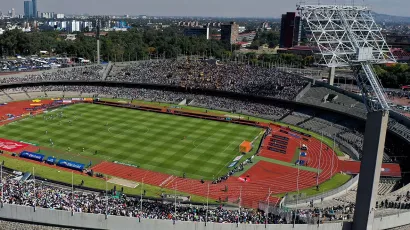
column 213, row 8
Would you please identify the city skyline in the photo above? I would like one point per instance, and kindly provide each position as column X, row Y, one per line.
column 211, row 8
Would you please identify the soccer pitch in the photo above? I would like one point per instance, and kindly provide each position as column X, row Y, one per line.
column 160, row 142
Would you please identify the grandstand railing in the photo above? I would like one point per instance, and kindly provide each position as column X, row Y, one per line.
column 303, row 92
column 67, row 219
column 400, row 117
column 347, row 147
column 107, row 70
column 290, row 201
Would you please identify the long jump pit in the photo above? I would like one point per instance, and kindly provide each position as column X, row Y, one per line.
column 123, row 182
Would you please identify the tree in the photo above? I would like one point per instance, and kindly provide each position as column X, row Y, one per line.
column 131, row 45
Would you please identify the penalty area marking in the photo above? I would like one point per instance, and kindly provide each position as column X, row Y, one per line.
column 123, row 182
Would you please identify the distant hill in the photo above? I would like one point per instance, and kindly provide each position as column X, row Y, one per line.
column 390, row 18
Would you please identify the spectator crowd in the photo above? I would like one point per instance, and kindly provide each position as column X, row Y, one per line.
column 58, row 197
column 46, row 195
column 214, row 75
column 210, row 75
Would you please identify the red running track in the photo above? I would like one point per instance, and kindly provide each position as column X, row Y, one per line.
column 18, row 109
column 264, row 176
column 251, row 195
column 353, row 167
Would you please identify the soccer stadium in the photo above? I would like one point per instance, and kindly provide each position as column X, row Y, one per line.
column 204, row 145
column 190, row 143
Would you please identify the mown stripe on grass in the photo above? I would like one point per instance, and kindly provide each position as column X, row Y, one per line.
column 160, row 142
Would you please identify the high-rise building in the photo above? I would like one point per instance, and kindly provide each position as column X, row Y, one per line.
column 47, row 15
column 59, row 16
column 74, row 26
column 229, row 32
column 289, row 30
column 34, row 3
column 28, row 9
column 13, row 13
column 197, row 32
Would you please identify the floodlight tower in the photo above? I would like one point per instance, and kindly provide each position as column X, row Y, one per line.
column 97, row 36
column 97, row 23
column 348, row 36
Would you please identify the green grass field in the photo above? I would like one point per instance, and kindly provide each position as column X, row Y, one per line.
column 159, row 142
column 326, row 140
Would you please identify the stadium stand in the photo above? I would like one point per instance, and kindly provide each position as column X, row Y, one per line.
column 320, row 95
column 193, row 74
column 85, row 73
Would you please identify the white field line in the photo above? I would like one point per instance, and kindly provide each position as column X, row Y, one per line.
column 228, row 161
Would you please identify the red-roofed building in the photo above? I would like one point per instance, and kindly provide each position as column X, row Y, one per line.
column 244, row 44
column 400, row 54
column 216, row 36
column 406, row 87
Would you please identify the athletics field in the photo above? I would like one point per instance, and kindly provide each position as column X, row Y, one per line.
column 89, row 133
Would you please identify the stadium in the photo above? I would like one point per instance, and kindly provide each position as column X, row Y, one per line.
column 175, row 142
column 190, row 143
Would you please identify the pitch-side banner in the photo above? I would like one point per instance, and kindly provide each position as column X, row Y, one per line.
column 11, row 146
column 70, row 165
column 237, row 158
column 32, row 156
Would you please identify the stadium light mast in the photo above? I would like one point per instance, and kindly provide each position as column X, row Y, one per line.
column 348, row 36
column 2, row 185
column 97, row 36
column 34, row 189
column 97, row 20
